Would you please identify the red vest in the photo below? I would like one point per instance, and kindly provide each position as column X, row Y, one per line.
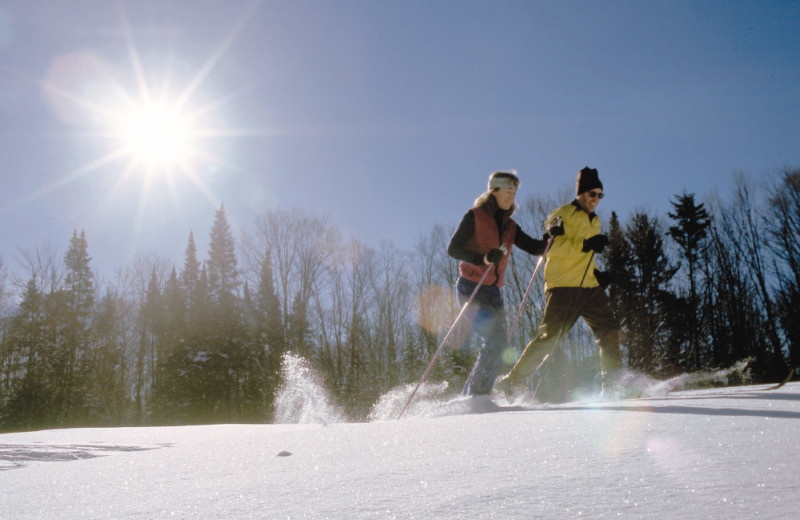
column 486, row 237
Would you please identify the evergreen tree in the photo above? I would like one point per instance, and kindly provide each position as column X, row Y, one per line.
column 223, row 273
column 75, row 342
column 26, row 400
column 151, row 322
column 239, row 365
column 108, row 378
column 270, row 333
column 690, row 232
column 175, row 314
column 190, row 283
column 617, row 258
column 216, row 373
column 78, row 283
column 180, row 392
column 168, row 347
column 651, row 272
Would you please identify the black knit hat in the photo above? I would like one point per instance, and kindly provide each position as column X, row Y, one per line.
column 587, row 180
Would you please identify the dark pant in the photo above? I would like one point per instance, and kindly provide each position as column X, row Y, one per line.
column 486, row 316
column 564, row 306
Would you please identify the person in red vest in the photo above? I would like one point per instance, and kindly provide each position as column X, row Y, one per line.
column 483, row 241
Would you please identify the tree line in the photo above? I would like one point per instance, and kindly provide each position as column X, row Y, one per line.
column 707, row 285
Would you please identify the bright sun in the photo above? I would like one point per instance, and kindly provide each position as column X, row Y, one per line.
column 157, row 123
column 157, row 134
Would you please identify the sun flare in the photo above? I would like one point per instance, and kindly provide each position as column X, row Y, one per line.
column 157, row 134
column 152, row 133
column 153, row 129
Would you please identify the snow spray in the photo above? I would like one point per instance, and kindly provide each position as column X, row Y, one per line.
column 301, row 398
column 429, row 397
column 699, row 379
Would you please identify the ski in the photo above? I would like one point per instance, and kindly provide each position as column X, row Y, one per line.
column 785, row 380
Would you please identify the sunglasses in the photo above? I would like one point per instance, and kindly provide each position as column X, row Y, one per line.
column 595, row 194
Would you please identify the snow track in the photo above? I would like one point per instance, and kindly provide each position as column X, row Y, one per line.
column 717, row 453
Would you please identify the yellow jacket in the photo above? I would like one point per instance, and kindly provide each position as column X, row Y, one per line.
column 566, row 261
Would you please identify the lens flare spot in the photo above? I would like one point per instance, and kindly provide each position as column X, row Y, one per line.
column 509, row 356
column 436, row 308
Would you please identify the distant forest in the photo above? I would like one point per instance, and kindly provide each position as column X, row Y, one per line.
column 707, row 285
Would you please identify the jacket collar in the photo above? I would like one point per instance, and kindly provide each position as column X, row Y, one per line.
column 578, row 207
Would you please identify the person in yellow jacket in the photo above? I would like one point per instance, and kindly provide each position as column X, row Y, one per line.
column 574, row 287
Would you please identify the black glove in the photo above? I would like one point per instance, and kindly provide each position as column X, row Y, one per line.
column 495, row 255
column 596, row 243
column 604, row 278
column 556, row 230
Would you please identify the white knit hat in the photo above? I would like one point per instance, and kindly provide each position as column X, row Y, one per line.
column 507, row 179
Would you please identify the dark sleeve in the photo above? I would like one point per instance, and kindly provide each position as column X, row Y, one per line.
column 457, row 248
column 529, row 244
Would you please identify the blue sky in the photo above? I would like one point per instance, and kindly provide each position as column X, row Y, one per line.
column 384, row 117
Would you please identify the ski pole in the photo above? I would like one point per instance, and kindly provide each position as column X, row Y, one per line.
column 444, row 341
column 563, row 325
column 530, row 285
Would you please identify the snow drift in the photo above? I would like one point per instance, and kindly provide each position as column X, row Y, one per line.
column 717, row 453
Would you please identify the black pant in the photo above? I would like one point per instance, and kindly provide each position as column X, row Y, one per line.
column 564, row 306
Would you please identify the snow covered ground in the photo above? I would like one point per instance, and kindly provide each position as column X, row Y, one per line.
column 722, row 453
